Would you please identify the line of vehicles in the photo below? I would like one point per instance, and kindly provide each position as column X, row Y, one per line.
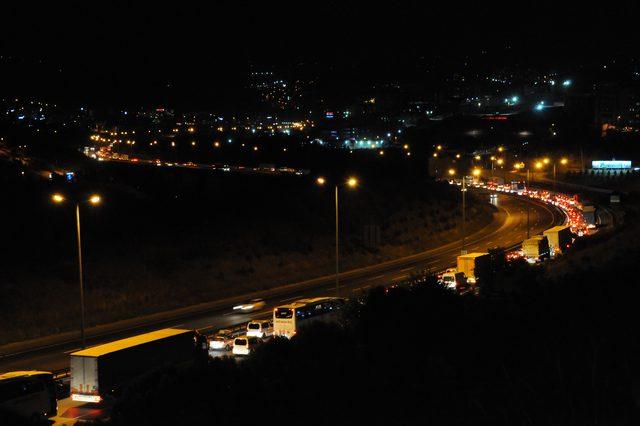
column 580, row 220
column 99, row 374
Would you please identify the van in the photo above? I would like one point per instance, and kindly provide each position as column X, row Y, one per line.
column 260, row 328
column 243, row 345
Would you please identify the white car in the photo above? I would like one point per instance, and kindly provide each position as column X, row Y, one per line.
column 222, row 341
column 243, row 345
column 260, row 328
column 250, row 306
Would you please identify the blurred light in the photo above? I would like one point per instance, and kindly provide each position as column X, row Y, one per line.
column 457, row 155
column 538, row 165
column 566, row 83
column 564, row 161
column 500, row 161
column 95, row 199
column 439, row 147
column 352, row 182
column 500, row 149
column 381, row 152
column 452, row 172
column 546, row 160
column 435, row 155
column 320, row 181
column 477, row 157
column 476, row 172
column 57, row 198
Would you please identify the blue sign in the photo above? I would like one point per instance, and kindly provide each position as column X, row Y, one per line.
column 599, row 164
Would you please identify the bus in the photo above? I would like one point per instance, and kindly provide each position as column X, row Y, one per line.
column 28, row 394
column 289, row 319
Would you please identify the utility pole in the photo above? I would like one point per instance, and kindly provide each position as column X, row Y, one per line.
column 464, row 213
column 337, row 249
column 82, row 340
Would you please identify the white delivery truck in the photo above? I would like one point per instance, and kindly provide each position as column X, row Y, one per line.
column 100, row 371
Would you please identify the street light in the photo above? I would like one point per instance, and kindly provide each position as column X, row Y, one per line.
column 352, row 182
column 94, row 200
column 452, row 172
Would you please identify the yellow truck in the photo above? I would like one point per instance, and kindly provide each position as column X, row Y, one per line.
column 536, row 247
column 559, row 238
column 471, row 265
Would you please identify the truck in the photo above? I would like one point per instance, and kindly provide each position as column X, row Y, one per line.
column 589, row 214
column 101, row 371
column 536, row 247
column 473, row 265
column 559, row 237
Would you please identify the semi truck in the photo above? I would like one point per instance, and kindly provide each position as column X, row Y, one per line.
column 473, row 265
column 102, row 370
column 559, row 238
column 536, row 247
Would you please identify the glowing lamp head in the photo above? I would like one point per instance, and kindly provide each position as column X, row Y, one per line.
column 500, row 161
column 352, row 182
column 452, row 172
column 57, row 198
column 476, row 172
column 95, row 199
column 538, row 164
column 564, row 161
column 546, row 161
column 320, row 181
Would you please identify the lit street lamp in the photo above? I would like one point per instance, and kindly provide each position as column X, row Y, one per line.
column 94, row 200
column 352, row 182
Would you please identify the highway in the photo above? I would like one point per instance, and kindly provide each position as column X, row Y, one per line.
column 508, row 229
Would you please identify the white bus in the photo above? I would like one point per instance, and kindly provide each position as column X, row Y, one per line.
column 289, row 319
column 28, row 394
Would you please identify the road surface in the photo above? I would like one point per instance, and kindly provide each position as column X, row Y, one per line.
column 508, row 229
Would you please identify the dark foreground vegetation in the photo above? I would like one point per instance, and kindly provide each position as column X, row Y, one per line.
column 541, row 347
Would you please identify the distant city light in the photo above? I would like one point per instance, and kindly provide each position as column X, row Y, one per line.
column 566, row 83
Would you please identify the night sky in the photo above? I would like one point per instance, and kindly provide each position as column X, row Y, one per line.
column 187, row 53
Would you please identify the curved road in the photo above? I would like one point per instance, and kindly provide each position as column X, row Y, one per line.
column 507, row 230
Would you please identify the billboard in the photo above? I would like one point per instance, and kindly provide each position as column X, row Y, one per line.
column 608, row 165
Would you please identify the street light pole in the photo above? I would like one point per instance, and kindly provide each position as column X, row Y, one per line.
column 82, row 340
column 337, row 247
column 464, row 213
column 94, row 200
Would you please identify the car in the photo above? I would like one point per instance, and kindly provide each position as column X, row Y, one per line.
column 260, row 328
column 222, row 341
column 243, row 345
column 250, row 306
